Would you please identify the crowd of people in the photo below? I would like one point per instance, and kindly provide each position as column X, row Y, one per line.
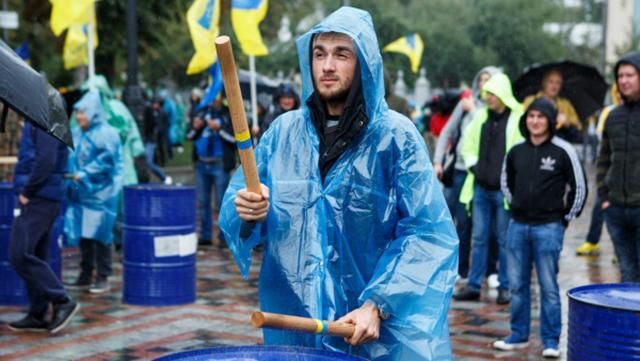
column 356, row 221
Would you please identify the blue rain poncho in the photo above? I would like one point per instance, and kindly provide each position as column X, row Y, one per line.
column 97, row 160
column 377, row 228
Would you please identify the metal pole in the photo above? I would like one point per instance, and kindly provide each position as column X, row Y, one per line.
column 5, row 7
column 92, row 64
column 133, row 94
column 254, row 96
column 605, row 23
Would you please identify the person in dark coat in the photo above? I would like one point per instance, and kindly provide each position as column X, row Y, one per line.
column 284, row 99
column 39, row 184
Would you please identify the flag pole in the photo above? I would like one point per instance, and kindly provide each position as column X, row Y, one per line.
column 254, row 97
column 92, row 65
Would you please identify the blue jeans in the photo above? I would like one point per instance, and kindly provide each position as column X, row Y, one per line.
column 209, row 175
column 488, row 216
column 597, row 220
column 624, row 227
column 462, row 220
column 540, row 245
column 151, row 150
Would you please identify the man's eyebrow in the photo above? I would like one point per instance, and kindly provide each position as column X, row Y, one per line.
column 336, row 49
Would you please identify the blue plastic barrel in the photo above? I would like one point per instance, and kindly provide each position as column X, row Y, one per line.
column 604, row 322
column 260, row 353
column 12, row 289
column 159, row 245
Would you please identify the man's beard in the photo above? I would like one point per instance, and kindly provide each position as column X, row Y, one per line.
column 339, row 96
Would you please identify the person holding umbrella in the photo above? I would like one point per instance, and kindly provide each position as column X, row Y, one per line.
column 568, row 123
column 39, row 184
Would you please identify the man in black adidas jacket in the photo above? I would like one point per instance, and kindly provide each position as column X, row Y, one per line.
column 535, row 177
column 619, row 169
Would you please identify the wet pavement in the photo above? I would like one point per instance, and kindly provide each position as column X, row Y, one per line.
column 107, row 329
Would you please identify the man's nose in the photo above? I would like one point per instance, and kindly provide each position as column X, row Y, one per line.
column 328, row 65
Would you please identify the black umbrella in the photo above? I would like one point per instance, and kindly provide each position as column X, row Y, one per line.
column 582, row 84
column 29, row 94
column 263, row 84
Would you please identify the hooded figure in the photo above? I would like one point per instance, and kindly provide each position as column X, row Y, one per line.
column 284, row 90
column 367, row 225
column 98, row 166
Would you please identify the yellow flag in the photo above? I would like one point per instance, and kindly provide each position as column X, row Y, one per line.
column 246, row 15
column 65, row 13
column 75, row 51
column 203, row 17
column 411, row 46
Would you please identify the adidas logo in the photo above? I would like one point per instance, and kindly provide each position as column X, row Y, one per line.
column 548, row 163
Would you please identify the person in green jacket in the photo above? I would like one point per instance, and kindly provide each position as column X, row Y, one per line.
column 486, row 140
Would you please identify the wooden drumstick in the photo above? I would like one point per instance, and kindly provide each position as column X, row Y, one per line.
column 238, row 116
column 302, row 324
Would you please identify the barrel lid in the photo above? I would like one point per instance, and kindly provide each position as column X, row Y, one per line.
column 157, row 187
column 622, row 296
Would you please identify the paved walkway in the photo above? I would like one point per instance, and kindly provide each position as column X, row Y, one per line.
column 107, row 329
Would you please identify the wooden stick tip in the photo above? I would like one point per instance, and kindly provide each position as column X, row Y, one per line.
column 257, row 319
column 222, row 39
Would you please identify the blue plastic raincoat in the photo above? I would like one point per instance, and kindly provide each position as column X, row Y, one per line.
column 97, row 160
column 376, row 229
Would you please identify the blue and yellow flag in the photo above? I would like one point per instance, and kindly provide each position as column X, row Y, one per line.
column 411, row 46
column 75, row 52
column 246, row 16
column 215, row 86
column 65, row 13
column 203, row 17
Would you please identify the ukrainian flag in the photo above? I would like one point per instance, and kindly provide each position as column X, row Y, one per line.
column 411, row 46
column 74, row 53
column 65, row 13
column 203, row 17
column 246, row 15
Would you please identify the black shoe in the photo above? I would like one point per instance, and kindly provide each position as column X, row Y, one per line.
column 101, row 285
column 504, row 297
column 205, row 243
column 62, row 314
column 466, row 294
column 29, row 323
column 83, row 282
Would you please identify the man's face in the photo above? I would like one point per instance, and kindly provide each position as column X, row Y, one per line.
column 537, row 123
column 628, row 82
column 484, row 77
column 493, row 102
column 552, row 84
column 287, row 102
column 83, row 121
column 333, row 64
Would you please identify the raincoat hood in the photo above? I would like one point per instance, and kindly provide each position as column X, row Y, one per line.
column 356, row 24
column 500, row 86
column 546, row 107
column 286, row 89
column 630, row 59
column 91, row 105
column 475, row 85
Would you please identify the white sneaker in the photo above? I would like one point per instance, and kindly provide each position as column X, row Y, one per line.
column 551, row 353
column 492, row 281
column 168, row 180
column 503, row 345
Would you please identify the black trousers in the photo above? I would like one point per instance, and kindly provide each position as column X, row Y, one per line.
column 28, row 253
column 95, row 255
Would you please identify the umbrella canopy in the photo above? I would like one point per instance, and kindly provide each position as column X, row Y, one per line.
column 29, row 94
column 263, row 83
column 582, row 84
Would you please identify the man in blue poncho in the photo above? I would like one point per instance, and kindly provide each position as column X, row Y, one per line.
column 96, row 168
column 352, row 219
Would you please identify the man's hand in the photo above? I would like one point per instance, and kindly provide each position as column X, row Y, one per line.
column 367, row 322
column 214, row 124
column 23, row 200
column 255, row 131
column 604, row 205
column 562, row 120
column 437, row 168
column 252, row 207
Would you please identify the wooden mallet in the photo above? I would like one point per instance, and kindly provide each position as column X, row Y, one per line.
column 301, row 324
column 239, row 120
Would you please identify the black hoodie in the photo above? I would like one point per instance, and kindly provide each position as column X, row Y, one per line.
column 618, row 174
column 535, row 177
